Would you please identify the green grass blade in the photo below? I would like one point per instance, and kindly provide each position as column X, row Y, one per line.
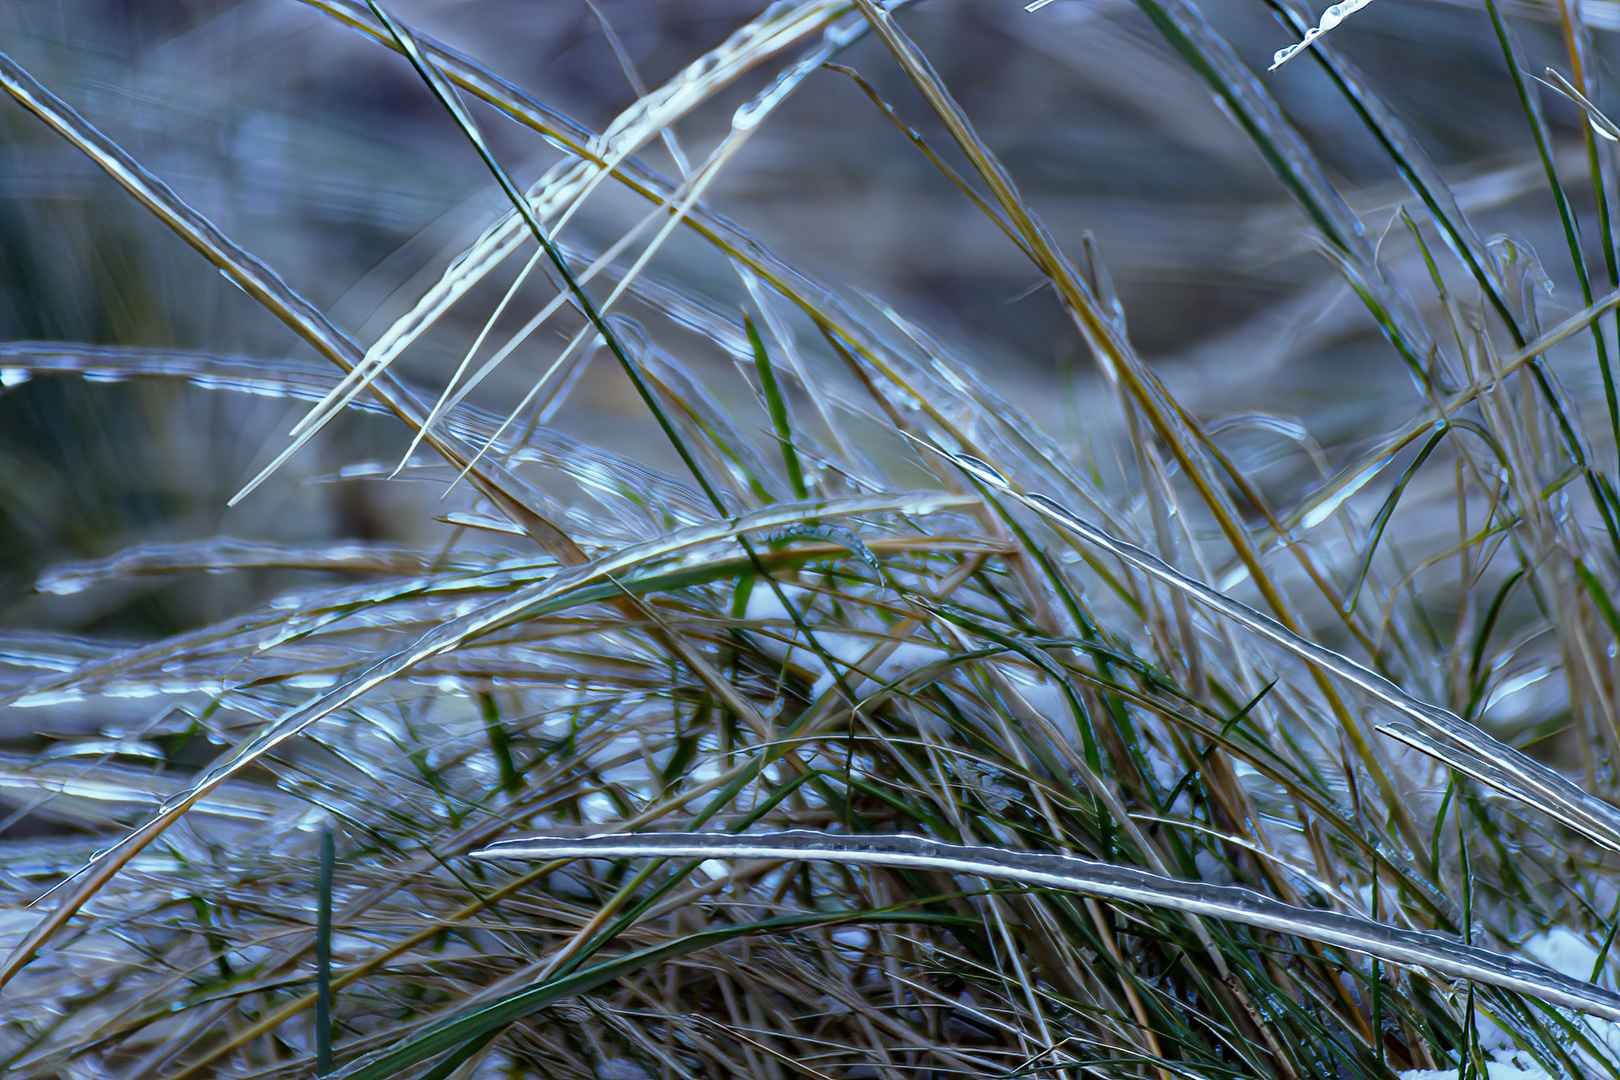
column 1381, row 520
column 778, row 410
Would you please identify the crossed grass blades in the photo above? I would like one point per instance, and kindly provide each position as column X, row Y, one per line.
column 920, row 745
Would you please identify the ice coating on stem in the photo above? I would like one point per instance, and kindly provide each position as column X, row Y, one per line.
column 1102, row 880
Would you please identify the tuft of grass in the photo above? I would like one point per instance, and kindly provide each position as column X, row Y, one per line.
column 858, row 725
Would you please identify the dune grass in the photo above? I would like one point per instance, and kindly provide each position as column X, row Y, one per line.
column 924, row 745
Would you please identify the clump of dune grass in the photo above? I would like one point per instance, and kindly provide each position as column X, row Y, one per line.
column 865, row 729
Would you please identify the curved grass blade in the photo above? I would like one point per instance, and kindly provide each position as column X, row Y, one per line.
column 1534, row 782
column 1594, row 116
column 1381, row 520
column 1472, row 765
column 1331, row 18
column 1103, row 881
column 1319, row 505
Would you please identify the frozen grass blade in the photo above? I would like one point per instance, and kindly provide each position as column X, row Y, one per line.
column 778, row 410
column 264, row 286
column 1594, row 116
column 222, row 553
column 1293, row 163
column 307, row 381
column 447, row 96
column 1541, row 786
column 1104, row 881
column 1381, row 520
column 1531, row 103
column 565, row 190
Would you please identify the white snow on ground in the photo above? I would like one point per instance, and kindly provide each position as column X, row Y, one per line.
column 1566, row 951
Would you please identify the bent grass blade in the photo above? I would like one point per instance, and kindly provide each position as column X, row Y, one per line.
column 1100, row 880
column 1533, row 782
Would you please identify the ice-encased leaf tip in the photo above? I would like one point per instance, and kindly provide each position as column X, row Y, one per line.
column 1332, row 17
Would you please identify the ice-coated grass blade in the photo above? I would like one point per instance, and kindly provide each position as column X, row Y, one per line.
column 1380, row 522
column 303, row 380
column 222, row 553
column 265, row 286
column 1530, row 780
column 1185, row 28
column 1331, row 17
column 1530, row 101
column 447, row 96
column 1104, row 881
